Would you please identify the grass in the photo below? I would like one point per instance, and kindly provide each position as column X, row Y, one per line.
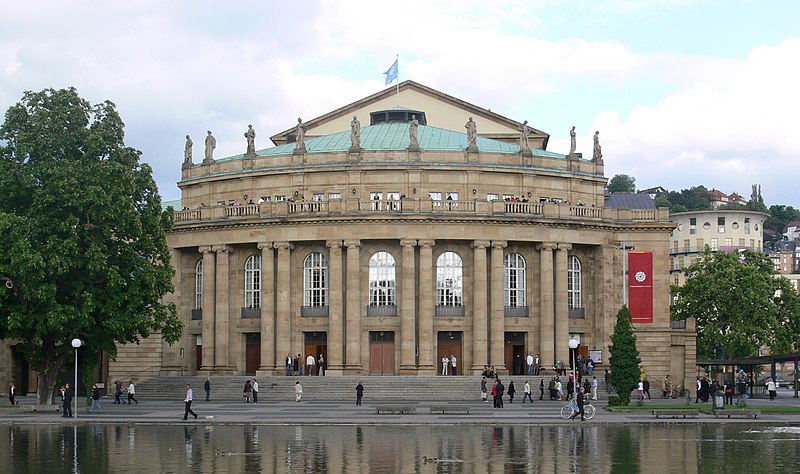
column 633, row 407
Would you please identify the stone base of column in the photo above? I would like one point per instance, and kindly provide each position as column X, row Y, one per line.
column 224, row 370
column 353, row 370
column 334, row 370
column 476, row 369
column 173, row 370
column 427, row 370
column 270, row 371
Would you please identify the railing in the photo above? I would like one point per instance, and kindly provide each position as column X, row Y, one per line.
column 305, row 207
column 523, row 207
column 314, row 311
column 382, row 310
column 197, row 314
column 453, row 206
column 380, row 205
column 251, row 312
column 243, row 210
column 587, row 211
column 577, row 313
column 515, row 311
column 449, row 311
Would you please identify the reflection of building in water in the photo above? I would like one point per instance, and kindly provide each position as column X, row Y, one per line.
column 399, row 251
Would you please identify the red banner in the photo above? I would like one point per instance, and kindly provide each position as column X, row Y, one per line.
column 640, row 286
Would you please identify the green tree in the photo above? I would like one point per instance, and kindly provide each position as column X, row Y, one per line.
column 780, row 216
column 739, row 304
column 84, row 252
column 624, row 358
column 622, row 183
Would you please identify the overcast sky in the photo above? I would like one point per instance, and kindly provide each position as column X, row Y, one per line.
column 683, row 92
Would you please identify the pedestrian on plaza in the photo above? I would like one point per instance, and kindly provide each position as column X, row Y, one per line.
column 570, row 388
column 771, row 389
column 526, row 392
column 551, row 387
column 640, row 391
column 484, row 394
column 255, row 391
column 494, row 393
column 607, row 379
column 310, row 361
column 207, row 388
column 300, row 364
column 729, row 393
column 667, row 387
column 646, row 387
column 298, row 391
column 187, row 403
column 67, row 394
column 119, row 398
column 359, row 393
column 289, row 365
column 247, row 391
column 559, row 389
column 445, row 364
column 320, row 365
column 595, row 384
column 537, row 364
column 511, row 392
column 12, row 392
column 453, row 364
column 132, row 393
column 529, row 361
column 589, row 366
column 541, row 389
column 97, row 393
column 699, row 392
column 581, row 398
column 518, row 365
column 499, row 389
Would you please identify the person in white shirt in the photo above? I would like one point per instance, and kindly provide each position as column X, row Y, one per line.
column 132, row 393
column 594, row 388
column 255, row 391
column 310, row 361
column 445, row 364
column 298, row 391
column 187, row 402
column 529, row 360
column 527, row 391
column 453, row 364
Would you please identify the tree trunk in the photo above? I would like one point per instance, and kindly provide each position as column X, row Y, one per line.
column 48, row 373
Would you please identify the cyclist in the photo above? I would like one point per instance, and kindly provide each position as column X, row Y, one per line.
column 580, row 398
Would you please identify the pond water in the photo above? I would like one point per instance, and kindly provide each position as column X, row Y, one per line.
column 684, row 448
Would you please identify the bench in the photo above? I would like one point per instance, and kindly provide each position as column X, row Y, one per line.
column 444, row 409
column 394, row 410
column 729, row 413
column 676, row 412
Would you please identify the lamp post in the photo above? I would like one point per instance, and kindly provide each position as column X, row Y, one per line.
column 573, row 344
column 76, row 343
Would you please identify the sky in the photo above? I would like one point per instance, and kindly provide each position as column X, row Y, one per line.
column 683, row 92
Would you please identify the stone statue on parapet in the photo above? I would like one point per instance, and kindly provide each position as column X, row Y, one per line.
column 211, row 143
column 355, row 133
column 250, row 135
column 572, row 141
column 472, row 135
column 187, row 150
column 524, row 139
column 300, row 136
column 597, row 152
column 413, row 138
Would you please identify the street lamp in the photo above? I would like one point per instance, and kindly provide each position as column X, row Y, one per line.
column 76, row 343
column 573, row 344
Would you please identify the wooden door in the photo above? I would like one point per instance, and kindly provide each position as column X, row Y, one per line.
column 198, row 357
column 449, row 344
column 381, row 353
column 252, row 353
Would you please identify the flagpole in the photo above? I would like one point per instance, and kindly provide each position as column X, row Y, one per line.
column 397, row 60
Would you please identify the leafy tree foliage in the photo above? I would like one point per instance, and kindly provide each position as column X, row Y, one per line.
column 624, row 358
column 739, row 305
column 622, row 183
column 696, row 198
column 780, row 216
column 82, row 248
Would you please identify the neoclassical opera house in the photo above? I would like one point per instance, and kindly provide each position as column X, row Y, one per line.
column 386, row 245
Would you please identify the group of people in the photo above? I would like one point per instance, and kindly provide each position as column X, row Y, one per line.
column 250, row 391
column 449, row 365
column 311, row 365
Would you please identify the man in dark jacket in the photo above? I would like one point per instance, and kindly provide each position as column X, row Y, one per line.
column 68, row 394
column 580, row 399
column 498, row 399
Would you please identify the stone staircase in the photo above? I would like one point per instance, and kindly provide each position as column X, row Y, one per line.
column 331, row 388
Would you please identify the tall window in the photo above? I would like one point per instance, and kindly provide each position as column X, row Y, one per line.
column 514, row 280
column 449, row 284
column 382, row 279
column 198, row 285
column 315, row 280
column 252, row 282
column 574, row 282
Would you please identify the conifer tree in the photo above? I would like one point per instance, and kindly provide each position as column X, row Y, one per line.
column 624, row 357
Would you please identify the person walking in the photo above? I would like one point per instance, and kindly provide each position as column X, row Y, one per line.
column 68, row 394
column 255, row 391
column 771, row 389
column 359, row 393
column 247, row 391
column 310, row 361
column 511, row 392
column 97, row 393
column 207, row 388
column 298, row 391
column 526, row 392
column 320, row 365
column 499, row 390
column 595, row 384
column 646, row 388
column 529, row 361
column 541, row 389
column 289, row 365
column 484, row 394
column 119, row 398
column 12, row 392
column 132, row 393
column 187, row 403
column 580, row 399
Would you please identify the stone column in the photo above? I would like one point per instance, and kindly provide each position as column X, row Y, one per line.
column 546, row 310
column 209, row 306
column 353, row 322
column 335, row 363
column 270, row 364
column 283, row 307
column 497, row 327
column 222, row 327
column 561, row 306
column 480, row 324
column 408, row 300
column 427, row 345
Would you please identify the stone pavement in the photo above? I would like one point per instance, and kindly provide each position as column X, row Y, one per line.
column 345, row 412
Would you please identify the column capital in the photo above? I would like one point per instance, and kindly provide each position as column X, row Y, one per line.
column 546, row 246
column 499, row 244
column 222, row 248
column 265, row 245
column 408, row 242
column 480, row 244
column 427, row 243
column 204, row 249
column 334, row 244
column 352, row 244
column 283, row 245
column 564, row 247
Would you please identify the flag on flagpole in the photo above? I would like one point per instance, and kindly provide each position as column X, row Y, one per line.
column 391, row 73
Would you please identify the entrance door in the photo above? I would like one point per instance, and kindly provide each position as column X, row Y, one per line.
column 252, row 352
column 316, row 343
column 198, row 352
column 449, row 344
column 381, row 353
column 515, row 353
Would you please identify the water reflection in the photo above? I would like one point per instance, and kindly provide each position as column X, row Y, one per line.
column 442, row 449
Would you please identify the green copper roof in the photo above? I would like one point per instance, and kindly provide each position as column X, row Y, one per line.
column 395, row 136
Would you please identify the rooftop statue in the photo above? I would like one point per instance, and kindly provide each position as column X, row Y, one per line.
column 413, row 139
column 572, row 143
column 211, row 143
column 525, row 132
column 187, row 150
column 355, row 132
column 300, row 135
column 250, row 134
column 597, row 153
column 472, row 134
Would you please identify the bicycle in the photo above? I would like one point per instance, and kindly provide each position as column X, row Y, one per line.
column 572, row 407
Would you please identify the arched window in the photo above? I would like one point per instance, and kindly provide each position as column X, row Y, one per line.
column 198, row 285
column 574, row 282
column 315, row 280
column 382, row 279
column 252, row 282
column 514, row 280
column 449, row 280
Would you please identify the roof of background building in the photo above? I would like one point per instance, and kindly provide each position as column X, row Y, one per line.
column 395, row 136
column 630, row 201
